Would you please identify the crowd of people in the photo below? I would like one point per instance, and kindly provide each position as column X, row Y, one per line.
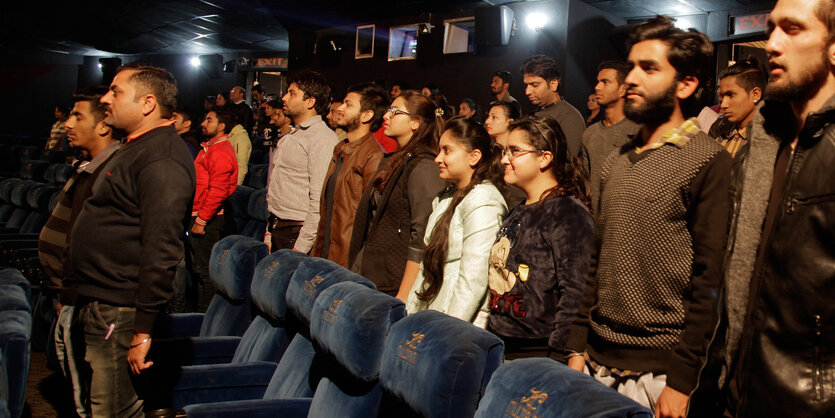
column 681, row 255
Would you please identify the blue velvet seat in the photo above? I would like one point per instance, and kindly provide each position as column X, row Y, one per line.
column 257, row 213
column 15, row 334
column 33, row 170
column 231, row 267
column 4, row 388
column 295, row 376
column 349, row 324
column 435, row 365
column 546, row 388
column 256, row 177
column 235, row 209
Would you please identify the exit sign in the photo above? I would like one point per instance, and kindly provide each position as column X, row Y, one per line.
column 278, row 62
column 747, row 24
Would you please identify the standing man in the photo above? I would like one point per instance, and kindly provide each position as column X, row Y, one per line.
column 500, row 87
column 243, row 111
column 648, row 309
column 775, row 346
column 259, row 103
column 128, row 238
column 182, row 123
column 86, row 131
column 217, row 177
column 613, row 130
column 542, row 81
column 740, row 89
column 299, row 165
column 398, row 87
column 352, row 167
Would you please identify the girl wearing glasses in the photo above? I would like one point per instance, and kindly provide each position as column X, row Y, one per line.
column 539, row 261
column 387, row 239
column 465, row 218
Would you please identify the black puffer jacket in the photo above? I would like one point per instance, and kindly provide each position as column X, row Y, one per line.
column 777, row 358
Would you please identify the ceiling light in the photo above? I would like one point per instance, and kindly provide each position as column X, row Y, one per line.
column 536, row 20
column 100, row 65
column 195, row 62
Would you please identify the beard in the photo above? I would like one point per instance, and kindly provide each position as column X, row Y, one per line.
column 810, row 81
column 656, row 110
column 349, row 124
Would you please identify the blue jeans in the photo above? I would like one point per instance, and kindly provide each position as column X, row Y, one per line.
column 112, row 387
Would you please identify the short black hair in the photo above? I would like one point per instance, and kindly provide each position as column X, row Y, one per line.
column 748, row 73
column 225, row 117
column 259, row 88
column 621, row 67
column 372, row 97
column 403, row 85
column 157, row 81
column 541, row 66
column 504, row 75
column 275, row 103
column 691, row 54
column 312, row 84
column 92, row 94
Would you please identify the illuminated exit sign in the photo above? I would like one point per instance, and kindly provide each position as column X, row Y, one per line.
column 747, row 24
column 278, row 62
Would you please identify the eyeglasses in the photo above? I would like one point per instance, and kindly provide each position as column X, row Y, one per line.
column 395, row 111
column 513, row 152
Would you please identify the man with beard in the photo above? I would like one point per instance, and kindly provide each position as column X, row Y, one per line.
column 643, row 323
column 299, row 164
column 773, row 349
column 612, row 130
column 500, row 87
column 217, row 177
column 352, row 167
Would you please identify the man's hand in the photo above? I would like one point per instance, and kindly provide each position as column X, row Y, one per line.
column 198, row 229
column 138, row 352
column 671, row 404
column 577, row 363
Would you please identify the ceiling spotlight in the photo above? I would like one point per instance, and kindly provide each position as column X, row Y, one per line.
column 100, row 65
column 536, row 20
column 425, row 28
column 195, row 62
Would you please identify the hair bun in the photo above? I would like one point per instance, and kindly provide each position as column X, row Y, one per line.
column 439, row 113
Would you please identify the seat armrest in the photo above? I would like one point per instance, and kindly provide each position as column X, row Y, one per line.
column 222, row 382
column 179, row 325
column 194, row 350
column 285, row 408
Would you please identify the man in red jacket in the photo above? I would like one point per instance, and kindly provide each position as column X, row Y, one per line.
column 217, row 176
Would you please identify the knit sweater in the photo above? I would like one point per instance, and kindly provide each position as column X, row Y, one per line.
column 649, row 302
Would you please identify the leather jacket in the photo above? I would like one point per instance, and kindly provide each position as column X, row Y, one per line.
column 360, row 160
column 781, row 360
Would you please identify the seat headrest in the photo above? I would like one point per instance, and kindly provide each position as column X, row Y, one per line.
column 312, row 277
column 437, row 364
column 257, row 208
column 270, row 281
column 237, row 203
column 232, row 264
column 350, row 323
column 549, row 388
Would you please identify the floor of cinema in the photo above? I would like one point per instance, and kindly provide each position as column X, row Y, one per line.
column 48, row 394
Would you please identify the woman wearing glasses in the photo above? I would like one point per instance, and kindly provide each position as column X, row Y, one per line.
column 463, row 223
column 539, row 261
column 387, row 239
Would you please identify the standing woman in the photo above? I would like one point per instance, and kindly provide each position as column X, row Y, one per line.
column 501, row 115
column 539, row 262
column 462, row 226
column 387, row 239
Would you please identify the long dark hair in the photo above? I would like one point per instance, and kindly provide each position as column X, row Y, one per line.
column 426, row 136
column 545, row 133
column 472, row 136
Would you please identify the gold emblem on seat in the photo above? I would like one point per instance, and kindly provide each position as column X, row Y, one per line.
column 329, row 314
column 526, row 406
column 309, row 286
column 408, row 350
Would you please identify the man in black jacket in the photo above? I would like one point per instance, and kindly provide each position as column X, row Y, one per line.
column 774, row 351
column 128, row 239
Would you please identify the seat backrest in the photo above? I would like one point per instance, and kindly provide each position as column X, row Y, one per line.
column 544, row 387
column 6, row 186
column 257, row 176
column 435, row 365
column 231, row 267
column 235, row 209
column 29, row 153
column 295, row 376
column 267, row 337
column 15, row 337
column 20, row 192
column 39, row 196
column 257, row 214
column 349, row 325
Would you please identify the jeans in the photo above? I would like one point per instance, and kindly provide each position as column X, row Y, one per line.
column 67, row 351
column 108, row 331
column 201, row 252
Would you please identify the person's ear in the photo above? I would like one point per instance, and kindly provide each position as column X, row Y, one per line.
column 366, row 116
column 221, row 127
column 545, row 159
column 686, row 87
column 553, row 85
column 187, row 125
column 622, row 90
column 102, row 129
column 147, row 104
column 414, row 124
column 475, row 157
column 310, row 102
column 756, row 94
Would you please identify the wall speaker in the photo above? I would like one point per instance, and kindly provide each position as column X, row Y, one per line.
column 493, row 26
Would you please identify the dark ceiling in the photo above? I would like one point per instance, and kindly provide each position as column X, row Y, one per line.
column 105, row 27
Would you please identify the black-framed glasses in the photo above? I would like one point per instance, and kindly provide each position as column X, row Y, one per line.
column 395, row 111
column 512, row 152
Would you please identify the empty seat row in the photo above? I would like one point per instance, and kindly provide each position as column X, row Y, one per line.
column 15, row 333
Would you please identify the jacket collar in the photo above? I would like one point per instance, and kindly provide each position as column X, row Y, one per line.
column 92, row 165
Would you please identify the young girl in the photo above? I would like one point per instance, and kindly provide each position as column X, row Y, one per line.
column 465, row 218
column 387, row 239
column 501, row 115
column 539, row 262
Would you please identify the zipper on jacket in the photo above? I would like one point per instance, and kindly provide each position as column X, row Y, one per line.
column 818, row 380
